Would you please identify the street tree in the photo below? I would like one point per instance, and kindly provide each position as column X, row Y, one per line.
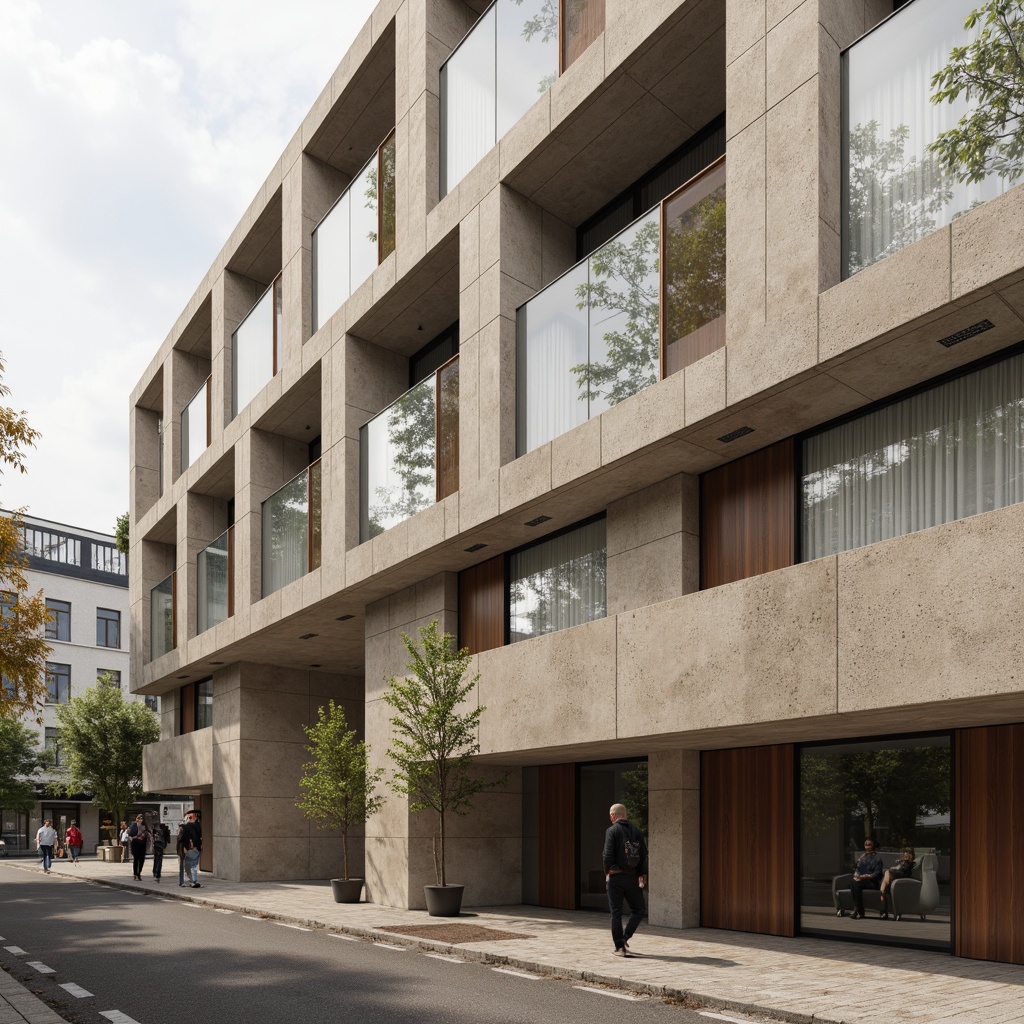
column 23, row 615
column 121, row 533
column 101, row 736
column 989, row 73
column 337, row 783
column 21, row 760
column 435, row 733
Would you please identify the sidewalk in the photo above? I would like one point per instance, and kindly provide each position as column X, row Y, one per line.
column 800, row 980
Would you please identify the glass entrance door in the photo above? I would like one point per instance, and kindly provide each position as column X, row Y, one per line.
column 600, row 786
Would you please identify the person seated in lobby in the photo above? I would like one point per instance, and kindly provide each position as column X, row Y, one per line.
column 904, row 869
column 867, row 874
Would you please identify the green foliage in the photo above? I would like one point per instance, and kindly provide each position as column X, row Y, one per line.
column 893, row 199
column 635, row 795
column 338, row 785
column 101, row 737
column 121, row 533
column 21, row 759
column 989, row 73
column 435, row 732
column 893, row 786
column 623, row 282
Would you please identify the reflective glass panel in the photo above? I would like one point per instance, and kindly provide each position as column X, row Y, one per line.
column 398, row 467
column 387, row 198
column 315, row 515
column 694, row 288
column 252, row 352
column 582, row 23
column 194, row 428
column 468, row 103
column 557, row 583
column 942, row 454
column 448, row 429
column 877, row 814
column 896, row 188
column 204, row 704
column 286, row 534
column 330, row 263
column 212, row 575
column 363, row 214
column 527, row 53
column 552, row 352
column 161, row 618
column 623, row 297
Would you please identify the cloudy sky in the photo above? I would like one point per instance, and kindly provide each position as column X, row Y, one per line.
column 133, row 135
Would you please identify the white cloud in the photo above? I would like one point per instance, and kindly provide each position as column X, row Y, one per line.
column 135, row 136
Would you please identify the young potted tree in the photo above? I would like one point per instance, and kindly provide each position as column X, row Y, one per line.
column 338, row 786
column 433, row 745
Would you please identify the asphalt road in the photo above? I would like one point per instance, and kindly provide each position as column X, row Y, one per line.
column 165, row 962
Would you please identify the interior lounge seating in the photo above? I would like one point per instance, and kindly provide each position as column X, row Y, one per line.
column 918, row 894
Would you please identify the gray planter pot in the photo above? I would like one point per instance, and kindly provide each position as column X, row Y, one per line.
column 346, row 890
column 443, row 900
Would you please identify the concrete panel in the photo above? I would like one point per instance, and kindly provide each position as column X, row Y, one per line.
column 179, row 764
column 645, row 574
column 745, row 88
column 525, row 711
column 933, row 616
column 988, row 242
column 647, row 515
column 759, row 650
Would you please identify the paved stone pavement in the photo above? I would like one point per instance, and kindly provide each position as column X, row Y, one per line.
column 791, row 979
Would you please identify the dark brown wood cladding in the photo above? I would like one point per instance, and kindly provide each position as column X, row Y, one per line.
column 747, row 856
column 556, row 829
column 205, row 805
column 187, row 708
column 989, row 889
column 582, row 21
column 747, row 516
column 482, row 606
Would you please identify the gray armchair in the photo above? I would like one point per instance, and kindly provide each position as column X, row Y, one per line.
column 918, row 894
column 842, row 897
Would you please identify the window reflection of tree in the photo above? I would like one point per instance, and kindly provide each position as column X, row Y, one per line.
column 411, row 444
column 386, row 217
column 289, row 522
column 883, row 792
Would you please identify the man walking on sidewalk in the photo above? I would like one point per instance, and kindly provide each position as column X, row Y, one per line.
column 625, row 867
column 46, row 839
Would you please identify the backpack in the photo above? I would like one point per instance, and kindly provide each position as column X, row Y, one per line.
column 630, row 851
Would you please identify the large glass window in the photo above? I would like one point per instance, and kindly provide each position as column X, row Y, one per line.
column 942, row 454
column 161, row 618
column 108, row 628
column 356, row 235
column 255, row 349
column 614, row 324
column 896, row 190
column 195, row 426
column 869, row 808
column 52, row 546
column 204, row 704
column 58, row 683
column 291, row 530
column 558, row 582
column 409, row 453
column 52, row 747
column 58, row 624
column 508, row 60
column 213, row 583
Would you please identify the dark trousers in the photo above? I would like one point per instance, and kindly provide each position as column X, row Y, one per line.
column 624, row 885
column 158, row 863
column 857, row 891
column 138, row 857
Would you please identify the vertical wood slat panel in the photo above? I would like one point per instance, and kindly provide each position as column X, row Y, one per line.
column 582, row 21
column 187, row 708
column 205, row 805
column 747, row 854
column 482, row 606
column 556, row 870
column 748, row 524
column 989, row 892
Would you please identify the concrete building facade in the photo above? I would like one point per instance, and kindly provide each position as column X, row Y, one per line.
column 84, row 580
column 647, row 348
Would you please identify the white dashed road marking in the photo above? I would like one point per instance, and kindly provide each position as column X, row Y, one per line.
column 297, row 927
column 387, row 945
column 441, row 956
column 607, row 992
column 220, row 911
column 347, row 938
column 41, row 967
column 516, row 974
column 16, row 950
column 722, row 1016
column 117, row 1017
column 249, row 917
column 76, row 990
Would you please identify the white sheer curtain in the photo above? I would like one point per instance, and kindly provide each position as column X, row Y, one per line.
column 558, row 583
column 252, row 351
column 212, row 584
column 286, row 534
column 953, row 451
column 895, row 188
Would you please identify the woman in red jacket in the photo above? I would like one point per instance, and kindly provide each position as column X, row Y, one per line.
column 73, row 840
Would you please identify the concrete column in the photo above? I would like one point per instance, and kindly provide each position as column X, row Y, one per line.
column 674, row 838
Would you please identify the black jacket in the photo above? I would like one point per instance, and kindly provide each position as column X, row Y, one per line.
column 615, row 851
column 191, row 836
